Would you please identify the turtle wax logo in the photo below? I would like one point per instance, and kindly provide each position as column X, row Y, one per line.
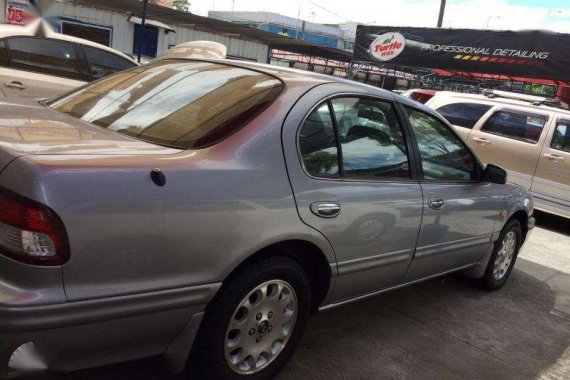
column 387, row 46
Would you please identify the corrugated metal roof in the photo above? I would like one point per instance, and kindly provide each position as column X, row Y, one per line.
column 275, row 18
column 228, row 29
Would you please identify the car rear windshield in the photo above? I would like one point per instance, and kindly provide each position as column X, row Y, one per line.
column 181, row 104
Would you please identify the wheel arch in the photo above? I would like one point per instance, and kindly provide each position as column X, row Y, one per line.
column 310, row 256
column 522, row 217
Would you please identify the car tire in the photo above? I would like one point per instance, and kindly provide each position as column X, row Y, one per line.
column 265, row 307
column 504, row 256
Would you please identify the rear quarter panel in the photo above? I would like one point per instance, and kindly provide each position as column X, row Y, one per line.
column 127, row 235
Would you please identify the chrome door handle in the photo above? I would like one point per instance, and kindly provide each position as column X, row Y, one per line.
column 436, row 203
column 553, row 157
column 15, row 84
column 325, row 209
column 481, row 141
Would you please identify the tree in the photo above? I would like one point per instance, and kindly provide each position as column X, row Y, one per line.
column 182, row 5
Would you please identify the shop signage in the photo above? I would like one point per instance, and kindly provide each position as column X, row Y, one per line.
column 536, row 54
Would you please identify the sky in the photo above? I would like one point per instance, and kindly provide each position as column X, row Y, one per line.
column 477, row 14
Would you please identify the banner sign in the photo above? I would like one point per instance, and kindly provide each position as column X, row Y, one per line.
column 533, row 54
column 20, row 12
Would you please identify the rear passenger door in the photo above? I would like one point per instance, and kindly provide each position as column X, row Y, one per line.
column 38, row 67
column 348, row 162
column 511, row 138
column 551, row 183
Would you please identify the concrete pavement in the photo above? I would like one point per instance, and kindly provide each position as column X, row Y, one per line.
column 442, row 329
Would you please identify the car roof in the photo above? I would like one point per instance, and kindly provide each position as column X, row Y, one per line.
column 30, row 30
column 287, row 74
column 449, row 95
column 290, row 75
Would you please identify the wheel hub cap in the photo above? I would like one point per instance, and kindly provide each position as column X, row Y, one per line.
column 260, row 327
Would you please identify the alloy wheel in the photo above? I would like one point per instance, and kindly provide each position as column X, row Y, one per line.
column 505, row 255
column 260, row 327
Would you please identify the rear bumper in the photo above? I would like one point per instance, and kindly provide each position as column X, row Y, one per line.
column 85, row 334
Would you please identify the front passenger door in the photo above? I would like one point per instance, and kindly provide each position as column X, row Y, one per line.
column 459, row 211
column 551, row 183
column 512, row 139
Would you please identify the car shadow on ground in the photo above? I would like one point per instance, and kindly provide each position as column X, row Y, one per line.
column 552, row 223
column 442, row 329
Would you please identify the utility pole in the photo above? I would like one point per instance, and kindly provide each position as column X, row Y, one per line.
column 441, row 13
column 141, row 32
column 298, row 19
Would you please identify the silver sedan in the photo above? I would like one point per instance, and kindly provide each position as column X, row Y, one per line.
column 203, row 209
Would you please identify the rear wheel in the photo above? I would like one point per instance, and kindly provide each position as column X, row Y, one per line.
column 504, row 256
column 255, row 323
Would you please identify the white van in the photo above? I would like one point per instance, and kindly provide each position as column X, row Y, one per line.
column 527, row 135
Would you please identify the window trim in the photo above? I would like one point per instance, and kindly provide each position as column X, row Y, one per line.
column 480, row 178
column 338, row 144
column 79, row 77
column 555, row 127
column 502, row 108
column 414, row 174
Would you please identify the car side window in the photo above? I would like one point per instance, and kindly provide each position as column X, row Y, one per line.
column 43, row 55
column 104, row 63
column 444, row 156
column 517, row 125
column 3, row 53
column 371, row 139
column 317, row 143
column 561, row 138
column 464, row 115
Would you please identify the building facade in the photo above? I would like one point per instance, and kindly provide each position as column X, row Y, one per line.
column 334, row 36
column 120, row 30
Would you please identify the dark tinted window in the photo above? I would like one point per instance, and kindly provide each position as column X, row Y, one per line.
column 317, row 143
column 104, row 63
column 101, row 35
column 371, row 139
column 444, row 156
column 561, row 138
column 464, row 114
column 518, row 125
column 44, row 56
column 175, row 103
column 3, row 54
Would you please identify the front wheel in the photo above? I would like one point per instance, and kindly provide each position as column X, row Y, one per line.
column 254, row 324
column 504, row 256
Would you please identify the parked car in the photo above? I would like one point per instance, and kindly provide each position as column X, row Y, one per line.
column 527, row 135
column 419, row 94
column 37, row 62
column 210, row 206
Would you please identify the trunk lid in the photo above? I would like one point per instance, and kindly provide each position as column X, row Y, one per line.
column 29, row 128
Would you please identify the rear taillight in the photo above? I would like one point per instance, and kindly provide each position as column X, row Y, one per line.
column 31, row 232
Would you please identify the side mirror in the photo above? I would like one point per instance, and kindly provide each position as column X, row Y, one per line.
column 495, row 174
